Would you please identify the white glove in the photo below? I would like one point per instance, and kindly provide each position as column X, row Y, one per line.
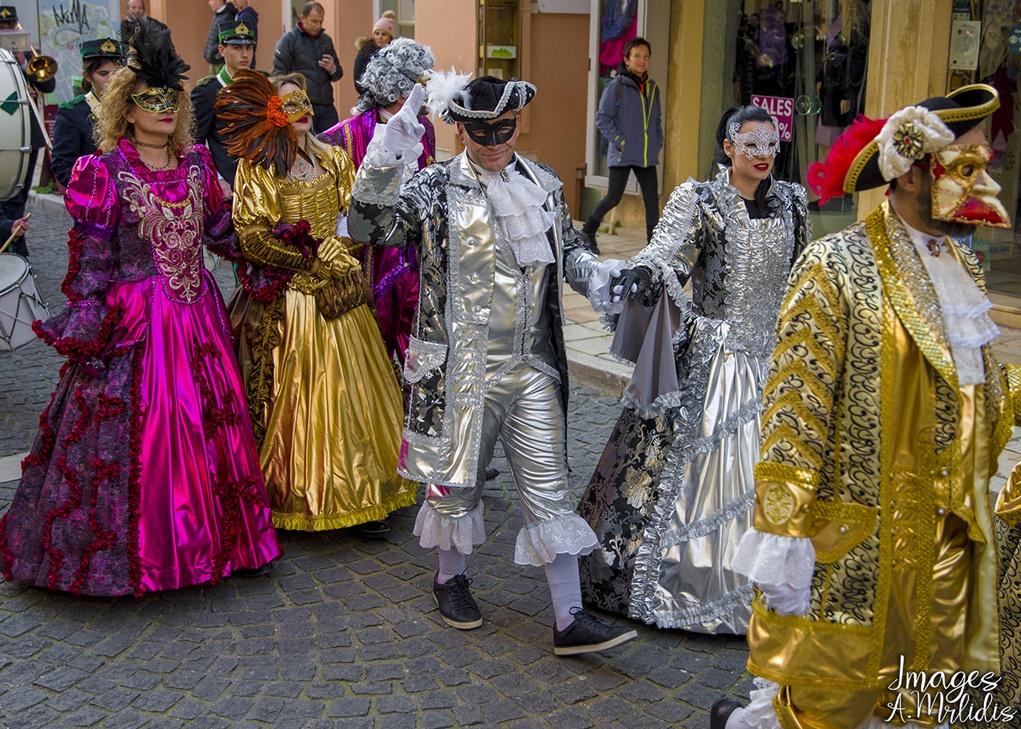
column 402, row 134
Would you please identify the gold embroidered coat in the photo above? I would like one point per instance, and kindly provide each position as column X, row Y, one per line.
column 868, row 442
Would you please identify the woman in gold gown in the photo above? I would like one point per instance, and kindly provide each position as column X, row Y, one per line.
column 325, row 403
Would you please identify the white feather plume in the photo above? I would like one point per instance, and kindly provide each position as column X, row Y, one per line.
column 441, row 88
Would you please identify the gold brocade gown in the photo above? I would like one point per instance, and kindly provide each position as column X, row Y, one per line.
column 325, row 404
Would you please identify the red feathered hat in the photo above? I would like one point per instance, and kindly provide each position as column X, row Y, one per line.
column 853, row 161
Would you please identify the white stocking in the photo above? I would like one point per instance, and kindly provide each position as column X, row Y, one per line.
column 564, row 587
column 452, row 563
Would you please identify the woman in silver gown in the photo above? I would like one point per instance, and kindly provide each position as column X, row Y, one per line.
column 673, row 491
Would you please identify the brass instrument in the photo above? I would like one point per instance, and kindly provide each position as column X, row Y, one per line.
column 41, row 68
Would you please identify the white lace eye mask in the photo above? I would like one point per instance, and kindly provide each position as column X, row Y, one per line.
column 762, row 141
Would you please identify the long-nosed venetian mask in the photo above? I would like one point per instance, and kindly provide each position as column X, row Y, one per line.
column 963, row 190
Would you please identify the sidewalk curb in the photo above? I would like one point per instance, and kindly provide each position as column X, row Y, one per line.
column 46, row 202
column 597, row 373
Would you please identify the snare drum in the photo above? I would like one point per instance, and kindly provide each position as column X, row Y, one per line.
column 15, row 127
column 20, row 303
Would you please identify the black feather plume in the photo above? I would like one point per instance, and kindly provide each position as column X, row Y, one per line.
column 153, row 57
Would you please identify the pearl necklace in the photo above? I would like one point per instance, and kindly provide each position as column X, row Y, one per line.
column 304, row 170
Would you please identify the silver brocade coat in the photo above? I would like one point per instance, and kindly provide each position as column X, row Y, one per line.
column 444, row 212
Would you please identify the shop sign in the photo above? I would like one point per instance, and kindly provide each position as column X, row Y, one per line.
column 782, row 109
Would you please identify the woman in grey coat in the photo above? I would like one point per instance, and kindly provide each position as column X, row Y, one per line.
column 631, row 121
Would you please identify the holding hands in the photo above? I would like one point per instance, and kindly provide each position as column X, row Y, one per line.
column 631, row 283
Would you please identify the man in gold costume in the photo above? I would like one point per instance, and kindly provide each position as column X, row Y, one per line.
column 873, row 548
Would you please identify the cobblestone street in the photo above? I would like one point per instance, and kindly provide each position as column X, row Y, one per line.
column 343, row 632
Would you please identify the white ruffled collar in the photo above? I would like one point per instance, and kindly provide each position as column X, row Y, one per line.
column 965, row 308
column 521, row 216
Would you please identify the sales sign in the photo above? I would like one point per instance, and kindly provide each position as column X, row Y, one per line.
column 782, row 109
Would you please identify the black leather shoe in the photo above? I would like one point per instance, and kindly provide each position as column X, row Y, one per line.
column 373, row 529
column 590, row 241
column 491, row 473
column 457, row 606
column 253, row 571
column 721, row 711
column 588, row 634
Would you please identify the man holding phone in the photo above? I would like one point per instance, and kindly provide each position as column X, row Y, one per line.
column 309, row 51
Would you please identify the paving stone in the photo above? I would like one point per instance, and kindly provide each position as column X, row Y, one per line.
column 436, row 719
column 350, row 707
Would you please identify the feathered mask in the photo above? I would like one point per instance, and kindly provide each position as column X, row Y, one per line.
column 257, row 126
column 153, row 58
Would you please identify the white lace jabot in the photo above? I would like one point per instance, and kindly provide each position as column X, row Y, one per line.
column 520, row 216
column 965, row 308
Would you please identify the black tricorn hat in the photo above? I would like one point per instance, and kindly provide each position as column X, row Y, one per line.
column 488, row 97
column 8, row 13
column 961, row 111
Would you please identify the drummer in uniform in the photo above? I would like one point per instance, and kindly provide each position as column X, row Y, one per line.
column 14, row 207
column 237, row 46
column 72, row 132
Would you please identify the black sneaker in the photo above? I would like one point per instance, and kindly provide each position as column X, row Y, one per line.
column 721, row 711
column 457, row 606
column 588, row 634
column 491, row 473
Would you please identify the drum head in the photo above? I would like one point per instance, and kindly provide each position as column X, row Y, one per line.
column 15, row 127
column 13, row 269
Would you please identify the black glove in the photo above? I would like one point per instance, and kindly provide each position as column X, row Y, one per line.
column 633, row 283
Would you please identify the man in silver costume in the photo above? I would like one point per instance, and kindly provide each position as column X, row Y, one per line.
column 486, row 359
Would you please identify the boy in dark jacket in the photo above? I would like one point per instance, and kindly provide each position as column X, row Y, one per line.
column 630, row 119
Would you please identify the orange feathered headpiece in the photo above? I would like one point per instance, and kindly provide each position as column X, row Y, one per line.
column 257, row 129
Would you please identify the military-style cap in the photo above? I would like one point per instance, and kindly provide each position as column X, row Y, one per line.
column 8, row 13
column 236, row 33
column 102, row 48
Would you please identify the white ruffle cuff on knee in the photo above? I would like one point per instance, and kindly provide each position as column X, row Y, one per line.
column 461, row 533
column 540, row 543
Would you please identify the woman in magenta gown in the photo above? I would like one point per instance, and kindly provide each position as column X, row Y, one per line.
column 144, row 475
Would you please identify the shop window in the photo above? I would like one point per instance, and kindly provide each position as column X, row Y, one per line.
column 985, row 46
column 806, row 62
column 500, row 38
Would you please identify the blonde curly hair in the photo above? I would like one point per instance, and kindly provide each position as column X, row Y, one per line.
column 112, row 125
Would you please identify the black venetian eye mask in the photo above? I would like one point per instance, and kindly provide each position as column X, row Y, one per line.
column 490, row 134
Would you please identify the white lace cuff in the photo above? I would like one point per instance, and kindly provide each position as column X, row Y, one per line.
column 539, row 544
column 462, row 533
column 769, row 559
column 599, row 294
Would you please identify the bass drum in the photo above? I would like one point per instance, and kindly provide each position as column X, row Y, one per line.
column 20, row 302
column 15, row 127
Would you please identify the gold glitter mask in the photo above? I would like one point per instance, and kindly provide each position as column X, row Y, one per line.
column 296, row 105
column 962, row 189
column 157, row 100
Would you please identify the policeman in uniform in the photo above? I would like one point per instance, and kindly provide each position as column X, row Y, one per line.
column 237, row 46
column 72, row 131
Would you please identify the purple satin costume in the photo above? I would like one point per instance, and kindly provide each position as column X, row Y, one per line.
column 144, row 475
column 394, row 274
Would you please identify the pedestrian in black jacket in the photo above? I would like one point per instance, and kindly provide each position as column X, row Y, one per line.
column 72, row 131
column 309, row 51
column 222, row 12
